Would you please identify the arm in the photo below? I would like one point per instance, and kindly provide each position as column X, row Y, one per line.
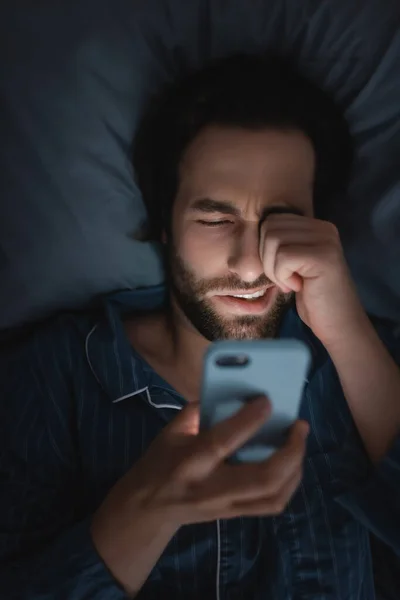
column 50, row 544
column 45, row 553
column 183, row 478
column 305, row 256
column 376, row 501
column 370, row 380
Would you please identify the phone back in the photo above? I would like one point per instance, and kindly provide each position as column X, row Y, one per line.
column 236, row 371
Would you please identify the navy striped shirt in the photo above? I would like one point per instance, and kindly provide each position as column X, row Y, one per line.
column 79, row 406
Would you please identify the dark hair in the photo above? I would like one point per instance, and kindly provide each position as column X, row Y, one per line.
column 248, row 91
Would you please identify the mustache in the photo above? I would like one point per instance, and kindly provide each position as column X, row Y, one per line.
column 231, row 284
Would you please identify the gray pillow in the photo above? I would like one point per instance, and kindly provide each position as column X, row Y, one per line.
column 74, row 78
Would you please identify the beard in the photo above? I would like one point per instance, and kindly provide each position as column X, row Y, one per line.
column 190, row 292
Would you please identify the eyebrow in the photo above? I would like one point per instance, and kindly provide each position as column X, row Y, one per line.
column 207, row 205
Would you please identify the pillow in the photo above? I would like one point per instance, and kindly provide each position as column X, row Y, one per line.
column 74, row 79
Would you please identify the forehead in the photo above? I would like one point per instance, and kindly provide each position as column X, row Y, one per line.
column 269, row 164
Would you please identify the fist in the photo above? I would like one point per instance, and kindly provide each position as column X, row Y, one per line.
column 305, row 256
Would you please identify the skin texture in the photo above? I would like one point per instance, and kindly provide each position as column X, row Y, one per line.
column 211, row 251
column 256, row 172
column 183, row 478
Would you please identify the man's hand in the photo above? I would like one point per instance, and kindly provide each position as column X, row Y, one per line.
column 305, row 256
column 183, row 478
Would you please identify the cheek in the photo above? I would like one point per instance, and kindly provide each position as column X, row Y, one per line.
column 206, row 254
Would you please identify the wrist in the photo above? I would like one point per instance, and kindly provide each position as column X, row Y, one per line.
column 131, row 548
column 352, row 329
column 116, row 533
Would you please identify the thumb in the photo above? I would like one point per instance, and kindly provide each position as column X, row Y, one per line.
column 298, row 434
column 187, row 422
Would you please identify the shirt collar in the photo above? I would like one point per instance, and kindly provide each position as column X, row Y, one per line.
column 108, row 350
column 111, row 359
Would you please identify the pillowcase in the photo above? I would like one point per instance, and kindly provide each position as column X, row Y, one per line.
column 75, row 77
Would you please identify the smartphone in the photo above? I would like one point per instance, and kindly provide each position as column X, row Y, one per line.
column 236, row 371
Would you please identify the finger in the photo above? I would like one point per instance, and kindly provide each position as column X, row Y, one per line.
column 224, row 508
column 290, row 216
column 283, row 253
column 289, row 223
column 301, row 261
column 294, row 447
column 212, row 509
column 292, row 221
column 249, row 481
column 271, row 244
column 271, row 476
column 287, row 236
column 269, row 505
column 219, row 442
column 187, row 422
column 268, row 249
column 298, row 433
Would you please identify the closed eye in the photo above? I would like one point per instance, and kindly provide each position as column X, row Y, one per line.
column 214, row 223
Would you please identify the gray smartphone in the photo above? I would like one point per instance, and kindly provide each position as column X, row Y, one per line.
column 236, row 371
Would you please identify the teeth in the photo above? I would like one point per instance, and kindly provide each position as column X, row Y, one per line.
column 255, row 295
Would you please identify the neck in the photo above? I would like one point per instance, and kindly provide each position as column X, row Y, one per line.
column 189, row 346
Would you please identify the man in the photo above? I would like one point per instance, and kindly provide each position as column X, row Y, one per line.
column 107, row 492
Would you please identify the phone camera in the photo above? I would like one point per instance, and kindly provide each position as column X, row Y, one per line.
column 232, row 360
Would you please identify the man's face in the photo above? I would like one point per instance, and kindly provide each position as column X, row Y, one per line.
column 230, row 180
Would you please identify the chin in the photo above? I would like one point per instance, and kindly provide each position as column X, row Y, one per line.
column 247, row 328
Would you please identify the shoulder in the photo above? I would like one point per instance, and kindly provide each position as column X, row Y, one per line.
column 58, row 358
column 52, row 342
column 37, row 390
column 37, row 369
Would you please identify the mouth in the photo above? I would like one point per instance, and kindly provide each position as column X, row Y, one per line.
column 247, row 302
column 247, row 295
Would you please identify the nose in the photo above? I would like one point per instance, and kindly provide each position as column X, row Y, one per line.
column 244, row 259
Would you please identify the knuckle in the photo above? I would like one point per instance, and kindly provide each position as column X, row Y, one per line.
column 333, row 230
column 329, row 227
column 278, row 506
column 335, row 243
column 182, row 468
column 271, row 239
column 299, row 452
column 296, row 444
column 273, row 487
column 180, row 471
column 270, row 483
column 297, row 464
column 284, row 252
column 195, row 499
column 214, row 446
